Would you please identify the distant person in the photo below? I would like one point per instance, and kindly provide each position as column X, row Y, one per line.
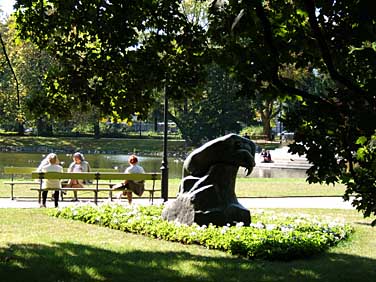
column 246, row 136
column 263, row 155
column 78, row 165
column 266, row 156
column 50, row 163
column 136, row 187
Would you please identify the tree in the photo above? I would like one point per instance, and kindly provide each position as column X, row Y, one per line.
column 219, row 111
column 10, row 84
column 27, row 99
column 112, row 54
column 268, row 107
column 256, row 40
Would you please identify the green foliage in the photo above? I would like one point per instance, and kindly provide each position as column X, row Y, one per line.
column 9, row 110
column 219, row 111
column 361, row 179
column 319, row 55
column 272, row 236
column 112, row 54
column 255, row 132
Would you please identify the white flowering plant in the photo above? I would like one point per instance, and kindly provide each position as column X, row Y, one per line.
column 271, row 235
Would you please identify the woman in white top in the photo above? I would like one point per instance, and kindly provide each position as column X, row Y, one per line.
column 50, row 163
column 78, row 165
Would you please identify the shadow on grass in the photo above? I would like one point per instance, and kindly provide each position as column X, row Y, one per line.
column 73, row 262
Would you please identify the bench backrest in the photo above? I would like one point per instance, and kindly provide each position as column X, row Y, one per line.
column 95, row 175
column 18, row 170
column 28, row 170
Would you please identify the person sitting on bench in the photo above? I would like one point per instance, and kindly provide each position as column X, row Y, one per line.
column 136, row 187
column 50, row 163
column 78, row 165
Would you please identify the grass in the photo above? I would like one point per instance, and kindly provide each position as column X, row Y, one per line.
column 36, row 247
column 245, row 187
column 150, row 143
column 71, row 144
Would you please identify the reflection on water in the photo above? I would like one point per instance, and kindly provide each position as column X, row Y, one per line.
column 120, row 162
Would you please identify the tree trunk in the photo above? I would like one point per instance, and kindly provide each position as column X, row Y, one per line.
column 96, row 130
column 44, row 128
column 267, row 131
column 21, row 128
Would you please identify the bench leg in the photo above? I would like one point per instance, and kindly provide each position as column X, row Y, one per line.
column 11, row 192
column 151, row 196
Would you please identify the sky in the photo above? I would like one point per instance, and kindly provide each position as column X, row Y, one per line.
column 7, row 6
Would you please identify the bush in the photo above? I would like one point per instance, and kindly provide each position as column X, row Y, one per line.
column 273, row 236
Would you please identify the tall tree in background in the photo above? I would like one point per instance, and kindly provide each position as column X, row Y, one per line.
column 12, row 86
column 29, row 65
column 268, row 107
column 219, row 111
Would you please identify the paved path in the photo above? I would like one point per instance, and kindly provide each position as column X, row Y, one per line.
column 285, row 202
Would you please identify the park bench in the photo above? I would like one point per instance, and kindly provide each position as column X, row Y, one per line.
column 96, row 177
column 24, row 173
column 18, row 171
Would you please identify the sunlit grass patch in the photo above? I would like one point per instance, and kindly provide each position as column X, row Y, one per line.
column 271, row 235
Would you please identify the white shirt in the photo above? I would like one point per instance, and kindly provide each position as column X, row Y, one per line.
column 52, row 183
column 135, row 169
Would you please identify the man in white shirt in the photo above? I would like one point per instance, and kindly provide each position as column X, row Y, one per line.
column 136, row 187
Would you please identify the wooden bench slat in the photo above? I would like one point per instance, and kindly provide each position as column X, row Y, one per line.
column 95, row 176
column 73, row 189
column 126, row 176
column 20, row 182
column 18, row 170
column 28, row 170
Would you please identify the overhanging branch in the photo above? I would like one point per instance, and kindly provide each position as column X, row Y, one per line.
column 325, row 51
column 11, row 69
column 269, row 41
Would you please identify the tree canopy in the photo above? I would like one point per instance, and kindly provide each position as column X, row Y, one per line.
column 112, row 53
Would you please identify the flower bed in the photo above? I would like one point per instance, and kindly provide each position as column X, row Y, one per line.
column 271, row 235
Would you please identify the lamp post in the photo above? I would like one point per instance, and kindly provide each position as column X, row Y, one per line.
column 164, row 167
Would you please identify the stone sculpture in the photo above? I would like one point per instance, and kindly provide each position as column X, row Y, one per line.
column 207, row 190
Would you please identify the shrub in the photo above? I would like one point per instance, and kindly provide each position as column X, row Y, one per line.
column 272, row 236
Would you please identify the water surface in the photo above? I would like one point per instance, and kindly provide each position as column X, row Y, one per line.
column 120, row 162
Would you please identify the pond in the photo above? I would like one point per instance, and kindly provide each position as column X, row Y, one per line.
column 120, row 162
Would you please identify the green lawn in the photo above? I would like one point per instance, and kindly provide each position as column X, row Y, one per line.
column 117, row 145
column 245, row 187
column 36, row 247
column 145, row 144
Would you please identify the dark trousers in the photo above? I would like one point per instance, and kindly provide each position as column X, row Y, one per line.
column 55, row 195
